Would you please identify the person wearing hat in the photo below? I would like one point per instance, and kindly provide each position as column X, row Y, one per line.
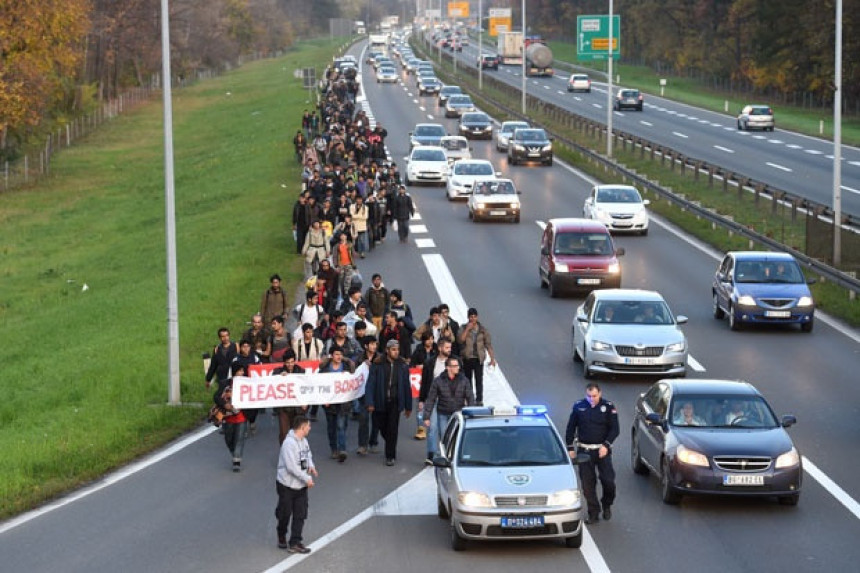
column 475, row 344
column 387, row 394
column 401, row 208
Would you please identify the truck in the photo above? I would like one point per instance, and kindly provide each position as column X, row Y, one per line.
column 510, row 48
column 358, row 27
column 538, row 57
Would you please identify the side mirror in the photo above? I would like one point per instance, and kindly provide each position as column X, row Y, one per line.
column 646, row 202
column 654, row 418
column 410, row 134
column 441, row 462
column 788, row 420
column 498, row 173
column 619, row 252
column 721, row 277
column 406, row 159
column 580, row 317
column 544, row 251
column 681, row 319
column 519, row 191
column 581, row 458
column 811, row 281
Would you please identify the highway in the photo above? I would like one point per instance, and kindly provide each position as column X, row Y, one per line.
column 787, row 160
column 183, row 510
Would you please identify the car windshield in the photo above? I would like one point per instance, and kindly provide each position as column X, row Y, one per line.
column 632, row 312
column 454, row 144
column 583, row 244
column 386, row 70
column 465, row 168
column 495, row 188
column 476, row 118
column 579, row 78
column 721, row 411
column 430, row 131
column 768, row 272
column 460, row 100
column 428, row 155
column 451, row 90
column 761, row 111
column 512, row 127
column 629, row 93
column 511, row 446
column 530, row 135
column 618, row 195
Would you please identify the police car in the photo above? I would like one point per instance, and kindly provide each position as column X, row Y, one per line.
column 506, row 474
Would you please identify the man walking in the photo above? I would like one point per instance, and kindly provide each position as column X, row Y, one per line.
column 296, row 473
column 592, row 427
column 452, row 391
column 387, row 394
column 274, row 302
column 475, row 344
column 401, row 209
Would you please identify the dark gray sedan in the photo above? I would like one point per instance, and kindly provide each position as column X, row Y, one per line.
column 714, row 437
column 476, row 125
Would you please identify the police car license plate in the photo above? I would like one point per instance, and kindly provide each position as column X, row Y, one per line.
column 639, row 361
column 588, row 281
column 743, row 480
column 777, row 313
column 525, row 522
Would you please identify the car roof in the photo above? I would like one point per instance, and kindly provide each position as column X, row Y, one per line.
column 579, row 76
column 506, row 419
column 577, row 224
column 760, row 256
column 628, row 294
column 515, row 122
column 711, row 386
column 474, row 162
column 457, row 137
column 417, row 125
column 424, row 148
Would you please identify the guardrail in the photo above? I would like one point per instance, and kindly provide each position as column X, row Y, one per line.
column 828, row 272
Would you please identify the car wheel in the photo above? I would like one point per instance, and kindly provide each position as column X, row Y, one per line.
column 457, row 542
column 669, row 494
column 542, row 282
column 807, row 326
column 574, row 542
column 549, row 163
column 448, row 195
column 644, row 232
column 718, row 312
column 576, row 356
column 587, row 373
column 553, row 289
column 517, row 219
column 740, row 127
column 636, row 459
column 789, row 499
column 734, row 323
column 441, row 510
column 406, row 179
column 471, row 215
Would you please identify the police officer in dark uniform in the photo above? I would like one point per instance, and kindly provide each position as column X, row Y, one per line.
column 592, row 427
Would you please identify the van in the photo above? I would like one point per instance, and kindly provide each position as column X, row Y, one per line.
column 578, row 255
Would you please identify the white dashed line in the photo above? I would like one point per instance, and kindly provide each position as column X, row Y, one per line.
column 680, row 135
column 776, row 141
column 417, row 228
column 778, row 166
column 794, row 146
column 814, row 152
column 854, row 163
column 726, row 149
column 646, row 123
column 424, row 243
column 597, row 105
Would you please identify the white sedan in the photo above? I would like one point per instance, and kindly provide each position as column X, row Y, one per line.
column 619, row 207
column 464, row 173
column 427, row 164
column 494, row 199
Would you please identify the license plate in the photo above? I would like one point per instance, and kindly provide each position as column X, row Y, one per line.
column 536, row 154
column 743, row 480
column 639, row 361
column 777, row 313
column 525, row 522
column 498, row 213
column 588, row 281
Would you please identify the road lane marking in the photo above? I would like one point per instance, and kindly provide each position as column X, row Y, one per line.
column 778, row 166
column 794, row 146
column 776, row 141
column 643, row 122
column 680, row 135
column 854, row 163
column 814, row 152
column 840, row 494
column 597, row 105
column 850, row 189
column 417, row 228
column 424, row 243
column 695, row 364
column 726, row 149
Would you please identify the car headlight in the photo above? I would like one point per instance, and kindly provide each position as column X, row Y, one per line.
column 547, row 147
column 515, row 205
column 614, row 268
column 474, row 499
column 746, row 300
column 599, row 346
column 564, row 497
column 519, row 147
column 677, row 347
column 480, row 205
column 804, row 301
column 788, row 459
column 691, row 457
column 561, row 267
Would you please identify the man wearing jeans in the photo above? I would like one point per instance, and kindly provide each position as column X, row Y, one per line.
column 475, row 345
column 452, row 391
column 296, row 473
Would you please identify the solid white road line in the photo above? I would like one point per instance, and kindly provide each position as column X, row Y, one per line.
column 840, row 494
column 695, row 364
column 850, row 189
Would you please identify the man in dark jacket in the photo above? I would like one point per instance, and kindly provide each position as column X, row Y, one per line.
column 401, row 209
column 395, row 330
column 301, row 220
column 387, row 394
column 449, row 392
column 433, row 367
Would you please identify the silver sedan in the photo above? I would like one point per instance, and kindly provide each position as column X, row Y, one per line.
column 628, row 331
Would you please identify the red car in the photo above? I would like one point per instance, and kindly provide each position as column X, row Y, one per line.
column 578, row 255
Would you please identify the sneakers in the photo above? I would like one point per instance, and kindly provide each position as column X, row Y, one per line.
column 607, row 513
column 341, row 457
column 428, row 461
column 334, row 454
column 299, row 548
column 389, row 461
column 237, row 465
column 420, row 433
column 254, row 429
column 373, row 450
column 592, row 519
column 282, row 542
column 361, row 451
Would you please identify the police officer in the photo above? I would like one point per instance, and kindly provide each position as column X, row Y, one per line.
column 592, row 427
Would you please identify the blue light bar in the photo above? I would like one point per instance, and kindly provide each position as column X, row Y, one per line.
column 532, row 410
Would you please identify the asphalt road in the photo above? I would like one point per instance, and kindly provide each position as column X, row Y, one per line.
column 184, row 510
column 787, row 160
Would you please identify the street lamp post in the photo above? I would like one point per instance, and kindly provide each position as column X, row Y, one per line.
column 523, row 50
column 837, row 142
column 480, row 45
column 609, row 90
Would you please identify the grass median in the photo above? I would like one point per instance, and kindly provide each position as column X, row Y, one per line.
column 83, row 295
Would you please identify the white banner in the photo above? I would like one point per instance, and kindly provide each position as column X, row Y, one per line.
column 299, row 389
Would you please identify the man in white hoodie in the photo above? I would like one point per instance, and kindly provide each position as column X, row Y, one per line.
column 296, row 473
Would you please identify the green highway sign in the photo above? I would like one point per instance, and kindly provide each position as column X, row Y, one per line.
column 592, row 37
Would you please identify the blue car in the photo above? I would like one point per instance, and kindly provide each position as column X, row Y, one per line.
column 762, row 288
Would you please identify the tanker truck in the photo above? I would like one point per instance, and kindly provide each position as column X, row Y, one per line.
column 538, row 57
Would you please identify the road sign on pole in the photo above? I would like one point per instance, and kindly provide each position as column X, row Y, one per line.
column 592, row 34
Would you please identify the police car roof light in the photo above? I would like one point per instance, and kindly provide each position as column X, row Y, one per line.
column 532, row 410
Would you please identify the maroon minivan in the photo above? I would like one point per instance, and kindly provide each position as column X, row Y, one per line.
column 578, row 255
